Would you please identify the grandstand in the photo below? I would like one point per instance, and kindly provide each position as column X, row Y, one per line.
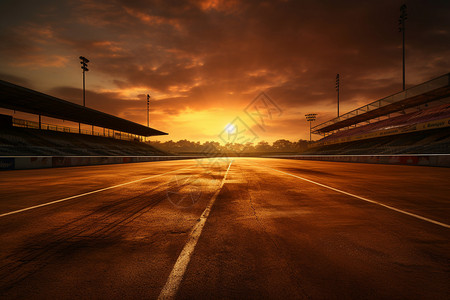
column 414, row 121
column 17, row 141
column 117, row 136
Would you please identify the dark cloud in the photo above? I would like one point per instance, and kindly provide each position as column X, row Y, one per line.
column 15, row 79
column 205, row 54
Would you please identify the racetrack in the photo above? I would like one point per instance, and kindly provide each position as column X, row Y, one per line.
column 226, row 228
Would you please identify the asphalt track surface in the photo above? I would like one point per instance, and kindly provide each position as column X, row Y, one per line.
column 247, row 228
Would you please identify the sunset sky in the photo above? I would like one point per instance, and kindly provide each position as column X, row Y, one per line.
column 203, row 62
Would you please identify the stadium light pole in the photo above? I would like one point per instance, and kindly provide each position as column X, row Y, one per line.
column 83, row 63
column 310, row 118
column 401, row 28
column 148, row 110
column 337, row 90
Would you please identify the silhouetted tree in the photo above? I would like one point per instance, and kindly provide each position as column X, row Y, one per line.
column 262, row 146
column 215, row 148
column 282, row 145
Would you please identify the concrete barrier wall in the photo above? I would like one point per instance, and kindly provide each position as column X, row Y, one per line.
column 432, row 160
column 39, row 162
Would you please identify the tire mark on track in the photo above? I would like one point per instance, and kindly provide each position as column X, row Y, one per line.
column 101, row 225
column 282, row 257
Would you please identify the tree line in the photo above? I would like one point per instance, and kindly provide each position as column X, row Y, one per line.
column 185, row 146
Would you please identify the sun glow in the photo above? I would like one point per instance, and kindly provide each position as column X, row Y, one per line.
column 230, row 128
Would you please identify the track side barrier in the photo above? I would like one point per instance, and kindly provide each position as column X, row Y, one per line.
column 39, row 162
column 432, row 160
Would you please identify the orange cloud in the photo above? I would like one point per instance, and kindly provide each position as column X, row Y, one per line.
column 204, row 61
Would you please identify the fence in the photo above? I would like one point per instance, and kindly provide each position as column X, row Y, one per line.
column 105, row 133
column 426, row 87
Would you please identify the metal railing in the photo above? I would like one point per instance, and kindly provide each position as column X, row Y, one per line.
column 422, row 88
column 104, row 133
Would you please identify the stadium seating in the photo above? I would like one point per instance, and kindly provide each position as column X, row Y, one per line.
column 433, row 141
column 435, row 113
column 16, row 141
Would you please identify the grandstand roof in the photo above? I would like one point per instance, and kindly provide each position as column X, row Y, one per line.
column 425, row 92
column 22, row 99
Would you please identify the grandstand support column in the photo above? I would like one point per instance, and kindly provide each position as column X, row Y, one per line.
column 40, row 123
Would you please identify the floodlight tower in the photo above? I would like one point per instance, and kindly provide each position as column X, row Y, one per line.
column 148, row 110
column 401, row 28
column 310, row 118
column 337, row 90
column 83, row 63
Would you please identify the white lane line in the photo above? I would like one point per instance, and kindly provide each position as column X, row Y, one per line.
column 367, row 200
column 170, row 289
column 88, row 193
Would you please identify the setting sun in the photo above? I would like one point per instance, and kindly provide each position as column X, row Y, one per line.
column 230, row 128
column 224, row 149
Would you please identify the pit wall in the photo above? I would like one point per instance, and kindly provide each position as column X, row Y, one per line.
column 431, row 160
